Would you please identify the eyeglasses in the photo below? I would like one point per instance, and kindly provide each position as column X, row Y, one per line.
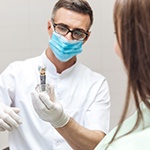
column 77, row 34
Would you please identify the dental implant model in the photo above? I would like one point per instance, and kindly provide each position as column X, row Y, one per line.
column 42, row 71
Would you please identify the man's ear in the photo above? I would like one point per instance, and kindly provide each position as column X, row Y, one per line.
column 89, row 33
column 49, row 27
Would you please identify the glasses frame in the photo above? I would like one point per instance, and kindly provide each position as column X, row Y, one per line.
column 71, row 31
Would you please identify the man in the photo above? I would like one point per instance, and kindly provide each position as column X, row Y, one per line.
column 76, row 116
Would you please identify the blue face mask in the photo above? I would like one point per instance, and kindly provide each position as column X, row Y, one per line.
column 64, row 49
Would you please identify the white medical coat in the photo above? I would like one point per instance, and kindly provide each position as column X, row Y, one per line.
column 83, row 93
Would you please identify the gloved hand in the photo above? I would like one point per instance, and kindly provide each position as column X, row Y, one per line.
column 9, row 118
column 49, row 109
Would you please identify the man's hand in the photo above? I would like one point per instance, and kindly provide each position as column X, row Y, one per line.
column 49, row 109
column 9, row 118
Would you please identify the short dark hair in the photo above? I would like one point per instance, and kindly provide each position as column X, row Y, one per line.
column 79, row 6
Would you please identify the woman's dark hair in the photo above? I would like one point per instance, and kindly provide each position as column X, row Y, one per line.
column 132, row 27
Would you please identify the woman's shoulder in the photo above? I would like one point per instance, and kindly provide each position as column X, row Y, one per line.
column 134, row 140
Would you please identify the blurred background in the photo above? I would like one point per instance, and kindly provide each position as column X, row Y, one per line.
column 23, row 34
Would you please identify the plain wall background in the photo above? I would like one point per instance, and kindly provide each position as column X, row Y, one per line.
column 23, row 34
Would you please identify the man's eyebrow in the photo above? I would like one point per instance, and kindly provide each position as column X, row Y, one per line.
column 65, row 25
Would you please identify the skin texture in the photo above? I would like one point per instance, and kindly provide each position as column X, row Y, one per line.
column 80, row 137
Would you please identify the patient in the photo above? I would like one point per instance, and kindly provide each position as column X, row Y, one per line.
column 132, row 27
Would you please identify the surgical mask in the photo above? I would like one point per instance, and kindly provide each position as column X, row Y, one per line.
column 64, row 49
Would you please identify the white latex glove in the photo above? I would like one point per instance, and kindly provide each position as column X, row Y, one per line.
column 9, row 118
column 49, row 109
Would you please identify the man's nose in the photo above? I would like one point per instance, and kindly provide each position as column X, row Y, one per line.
column 69, row 36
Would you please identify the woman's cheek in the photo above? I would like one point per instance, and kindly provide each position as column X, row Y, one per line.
column 117, row 49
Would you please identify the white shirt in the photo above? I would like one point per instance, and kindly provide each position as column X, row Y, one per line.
column 83, row 93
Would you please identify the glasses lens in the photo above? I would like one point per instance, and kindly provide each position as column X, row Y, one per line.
column 79, row 35
column 61, row 29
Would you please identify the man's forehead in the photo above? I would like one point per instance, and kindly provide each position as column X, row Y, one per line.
column 72, row 18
